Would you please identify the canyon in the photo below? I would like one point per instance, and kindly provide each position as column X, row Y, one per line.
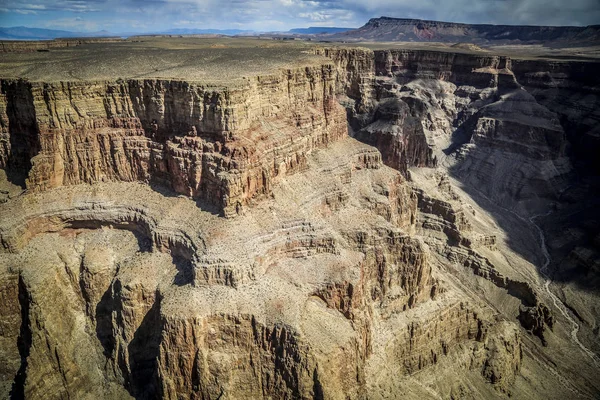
column 240, row 218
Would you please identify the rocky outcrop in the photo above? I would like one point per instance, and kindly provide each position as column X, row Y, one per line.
column 355, row 68
column 396, row 275
column 239, row 356
column 413, row 349
column 441, row 216
column 479, row 71
column 504, row 354
column 400, row 136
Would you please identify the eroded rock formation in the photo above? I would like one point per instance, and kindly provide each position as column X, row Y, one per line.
column 148, row 131
column 358, row 259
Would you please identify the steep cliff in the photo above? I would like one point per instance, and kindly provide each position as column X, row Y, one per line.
column 421, row 106
column 225, row 147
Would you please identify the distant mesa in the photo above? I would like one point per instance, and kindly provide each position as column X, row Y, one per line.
column 386, row 29
column 25, row 33
column 319, row 30
column 226, row 32
column 383, row 29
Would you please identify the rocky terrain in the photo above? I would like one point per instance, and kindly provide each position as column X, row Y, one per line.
column 323, row 222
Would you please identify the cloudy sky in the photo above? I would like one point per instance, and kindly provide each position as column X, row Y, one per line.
column 269, row 15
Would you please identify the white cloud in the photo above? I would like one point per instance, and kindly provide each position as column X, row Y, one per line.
column 76, row 24
column 315, row 16
column 285, row 14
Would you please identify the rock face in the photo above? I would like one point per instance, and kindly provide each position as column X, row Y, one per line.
column 225, row 147
column 388, row 29
column 355, row 259
column 419, row 106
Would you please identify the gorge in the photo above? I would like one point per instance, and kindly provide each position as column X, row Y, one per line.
column 236, row 218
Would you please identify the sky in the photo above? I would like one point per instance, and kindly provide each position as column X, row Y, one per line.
column 118, row 16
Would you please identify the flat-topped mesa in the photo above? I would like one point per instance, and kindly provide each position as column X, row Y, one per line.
column 386, row 29
column 225, row 146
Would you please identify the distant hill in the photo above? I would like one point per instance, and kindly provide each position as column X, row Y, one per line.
column 386, row 29
column 316, row 30
column 25, row 33
column 228, row 32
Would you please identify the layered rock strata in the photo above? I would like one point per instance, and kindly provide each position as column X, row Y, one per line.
column 296, row 318
column 336, row 277
column 223, row 146
column 419, row 106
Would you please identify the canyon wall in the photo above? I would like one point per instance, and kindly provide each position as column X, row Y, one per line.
column 339, row 281
column 420, row 106
column 223, row 146
column 196, row 139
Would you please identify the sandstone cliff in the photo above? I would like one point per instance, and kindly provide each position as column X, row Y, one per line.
column 223, row 146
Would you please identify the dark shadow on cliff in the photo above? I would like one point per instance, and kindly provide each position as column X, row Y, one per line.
column 144, row 350
column 164, row 189
column 22, row 128
column 576, row 208
column 576, row 223
column 184, row 274
column 462, row 134
column 104, row 323
column 318, row 393
column 17, row 391
column 139, row 364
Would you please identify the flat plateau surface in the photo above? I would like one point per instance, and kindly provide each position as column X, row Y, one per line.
column 216, row 61
column 222, row 61
column 533, row 51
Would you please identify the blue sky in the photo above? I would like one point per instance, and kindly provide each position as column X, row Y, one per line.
column 265, row 15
